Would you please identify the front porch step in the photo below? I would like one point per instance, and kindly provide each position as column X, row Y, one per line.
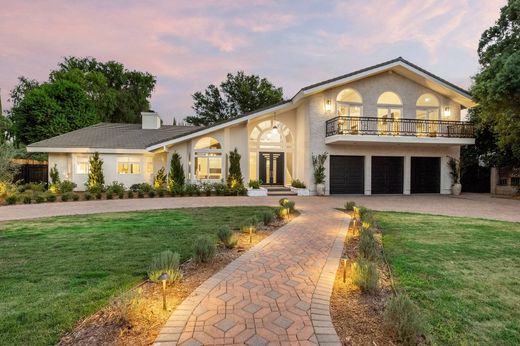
column 279, row 191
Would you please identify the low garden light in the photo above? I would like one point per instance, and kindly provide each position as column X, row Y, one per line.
column 344, row 260
column 163, row 278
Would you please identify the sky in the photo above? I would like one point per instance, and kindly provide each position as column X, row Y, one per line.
column 188, row 45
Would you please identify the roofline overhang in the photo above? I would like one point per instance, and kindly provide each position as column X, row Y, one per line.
column 85, row 150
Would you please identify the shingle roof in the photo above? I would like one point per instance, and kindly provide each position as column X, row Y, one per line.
column 114, row 136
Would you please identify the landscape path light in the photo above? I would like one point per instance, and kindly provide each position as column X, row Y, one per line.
column 344, row 260
column 164, row 277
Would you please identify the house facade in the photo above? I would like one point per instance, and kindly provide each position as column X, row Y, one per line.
column 388, row 129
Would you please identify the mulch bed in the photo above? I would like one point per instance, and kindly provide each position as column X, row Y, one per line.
column 137, row 317
column 358, row 316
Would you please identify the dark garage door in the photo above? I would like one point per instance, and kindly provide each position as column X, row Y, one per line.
column 387, row 174
column 426, row 175
column 347, row 174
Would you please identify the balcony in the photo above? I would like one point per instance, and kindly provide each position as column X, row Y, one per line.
column 411, row 131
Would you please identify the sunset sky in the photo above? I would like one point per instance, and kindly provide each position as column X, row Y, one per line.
column 190, row 44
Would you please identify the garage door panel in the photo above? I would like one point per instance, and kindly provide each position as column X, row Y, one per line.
column 425, row 175
column 387, row 174
column 347, row 174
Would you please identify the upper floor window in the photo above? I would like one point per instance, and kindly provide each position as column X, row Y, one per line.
column 389, row 108
column 208, row 159
column 349, row 103
column 128, row 165
column 427, row 108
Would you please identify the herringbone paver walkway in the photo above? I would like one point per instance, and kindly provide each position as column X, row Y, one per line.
column 277, row 293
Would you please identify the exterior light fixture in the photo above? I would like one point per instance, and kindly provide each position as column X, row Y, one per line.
column 447, row 111
column 163, row 278
column 328, row 105
column 344, row 260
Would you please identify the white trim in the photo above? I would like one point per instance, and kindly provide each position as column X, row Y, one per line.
column 398, row 140
column 86, row 150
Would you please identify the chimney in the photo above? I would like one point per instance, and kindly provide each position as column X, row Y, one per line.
column 150, row 120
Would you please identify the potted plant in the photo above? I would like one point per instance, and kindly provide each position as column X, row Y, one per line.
column 255, row 189
column 318, row 163
column 299, row 188
column 454, row 164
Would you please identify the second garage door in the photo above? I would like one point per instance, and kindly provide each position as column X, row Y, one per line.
column 347, row 174
column 387, row 174
column 426, row 174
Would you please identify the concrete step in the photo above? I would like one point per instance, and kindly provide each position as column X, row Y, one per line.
column 279, row 191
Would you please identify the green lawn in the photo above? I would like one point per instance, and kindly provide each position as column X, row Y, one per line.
column 55, row 271
column 464, row 273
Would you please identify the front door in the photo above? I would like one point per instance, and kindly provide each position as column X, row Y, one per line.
column 271, row 168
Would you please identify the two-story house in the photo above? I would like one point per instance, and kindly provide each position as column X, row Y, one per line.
column 388, row 128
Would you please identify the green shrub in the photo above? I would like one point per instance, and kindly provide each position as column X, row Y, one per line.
column 227, row 237
column 207, row 188
column 95, row 189
column 365, row 275
column 96, row 180
column 66, row 196
column 50, row 197
column 283, row 201
column 402, row 319
column 35, row 187
column 151, row 194
column 366, row 215
column 349, row 205
column 220, row 189
column 39, row 198
column 255, row 184
column 98, row 195
column 249, row 225
column 267, row 217
column 281, row 212
column 121, row 195
column 290, row 205
column 116, row 188
column 110, row 195
column 140, row 194
column 176, row 177
column 367, row 246
column 298, row 184
column 166, row 262
column 234, row 178
column 55, row 175
column 11, row 199
column 192, row 189
column 204, row 249
column 27, row 199
column 75, row 197
column 67, row 186
column 160, row 193
column 88, row 196
column 159, row 181
column 144, row 187
column 130, row 194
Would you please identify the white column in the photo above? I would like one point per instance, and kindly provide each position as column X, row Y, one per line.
column 368, row 175
column 407, row 178
column 445, row 177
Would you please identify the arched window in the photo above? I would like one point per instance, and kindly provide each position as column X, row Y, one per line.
column 427, row 108
column 389, row 111
column 208, row 159
column 349, row 103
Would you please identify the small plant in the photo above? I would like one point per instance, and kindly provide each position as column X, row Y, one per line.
column 349, row 205
column 367, row 245
column 318, row 163
column 66, row 197
column 283, row 201
column 207, row 188
column 67, row 186
column 121, row 195
column 290, row 206
column 159, row 181
column 11, row 199
column 365, row 275
column 220, row 189
column 39, row 198
column 234, row 179
column 204, row 249
column 50, row 197
column 54, row 175
column 227, row 237
column 75, row 197
column 140, row 194
column 160, row 193
column 454, row 165
column 151, row 193
column 281, row 212
column 255, row 184
column 192, row 189
column 176, row 177
column 27, row 199
column 96, row 180
column 267, row 217
column 165, row 262
column 99, row 195
column 130, row 194
column 116, row 188
column 249, row 225
column 145, row 187
column 88, row 196
column 110, row 195
column 366, row 215
column 296, row 183
column 402, row 318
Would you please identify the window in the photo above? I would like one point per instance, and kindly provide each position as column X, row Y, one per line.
column 428, row 111
column 349, row 103
column 82, row 165
column 128, row 165
column 389, row 110
column 208, row 159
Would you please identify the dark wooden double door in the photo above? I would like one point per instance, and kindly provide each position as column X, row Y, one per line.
column 271, row 167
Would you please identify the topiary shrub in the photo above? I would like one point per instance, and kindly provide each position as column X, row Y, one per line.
column 281, row 212
column 140, row 194
column 11, row 199
column 116, row 188
column 50, row 197
column 255, row 184
column 121, row 195
column 110, row 195
column 267, row 217
column 402, row 319
column 207, row 188
column 234, row 179
column 192, row 189
column 367, row 246
column 365, row 275
column 27, row 199
column 176, row 177
column 39, row 198
column 291, row 206
column 160, row 193
column 220, row 189
column 227, row 237
column 151, row 194
column 99, row 195
column 96, row 180
column 166, row 262
column 75, row 197
column 67, row 186
column 159, row 181
column 66, row 197
column 88, row 196
column 204, row 249
column 130, row 194
column 298, row 184
column 283, row 201
column 349, row 205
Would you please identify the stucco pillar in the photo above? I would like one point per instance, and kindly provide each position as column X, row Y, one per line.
column 445, row 176
column 368, row 175
column 407, row 175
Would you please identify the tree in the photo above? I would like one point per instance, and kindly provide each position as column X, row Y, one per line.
column 160, row 179
column 497, row 86
column 8, row 169
column 176, row 177
column 238, row 94
column 234, row 179
column 50, row 109
column 96, row 179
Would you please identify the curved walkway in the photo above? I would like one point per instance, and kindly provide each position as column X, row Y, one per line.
column 277, row 293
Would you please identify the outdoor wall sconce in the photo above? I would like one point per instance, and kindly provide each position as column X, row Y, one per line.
column 447, row 111
column 164, row 277
column 344, row 260
column 328, row 105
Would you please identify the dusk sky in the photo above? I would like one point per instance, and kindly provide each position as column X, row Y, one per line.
column 189, row 44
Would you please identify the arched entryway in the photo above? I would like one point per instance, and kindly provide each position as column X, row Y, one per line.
column 271, row 153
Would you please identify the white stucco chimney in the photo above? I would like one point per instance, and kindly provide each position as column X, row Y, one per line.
column 150, row 120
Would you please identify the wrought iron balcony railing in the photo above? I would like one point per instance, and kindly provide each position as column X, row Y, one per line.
column 343, row 125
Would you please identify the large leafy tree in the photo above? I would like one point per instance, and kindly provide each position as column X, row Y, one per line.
column 497, row 87
column 238, row 94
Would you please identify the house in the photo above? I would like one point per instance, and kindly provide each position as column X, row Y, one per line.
column 388, row 129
